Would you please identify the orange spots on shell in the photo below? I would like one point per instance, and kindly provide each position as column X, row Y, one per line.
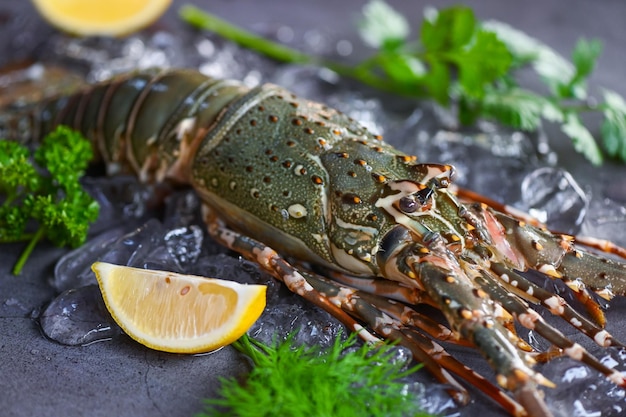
column 351, row 199
column 317, row 180
column 272, row 118
column 465, row 313
column 379, row 177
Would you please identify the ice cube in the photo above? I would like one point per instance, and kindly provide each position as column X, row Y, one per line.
column 553, row 197
column 78, row 317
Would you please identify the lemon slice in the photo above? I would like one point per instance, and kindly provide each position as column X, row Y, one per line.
column 101, row 17
column 175, row 312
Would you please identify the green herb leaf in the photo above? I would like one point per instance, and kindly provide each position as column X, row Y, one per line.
column 16, row 172
column 437, row 81
column 614, row 125
column 584, row 57
column 401, row 68
column 299, row 381
column 382, row 27
column 581, row 137
column 475, row 72
column 551, row 67
column 461, row 61
column 516, row 107
column 448, row 30
column 48, row 193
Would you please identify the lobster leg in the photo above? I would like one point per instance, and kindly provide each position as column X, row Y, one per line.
column 300, row 283
column 529, row 291
column 474, row 317
column 274, row 264
column 522, row 246
column 532, row 320
column 367, row 307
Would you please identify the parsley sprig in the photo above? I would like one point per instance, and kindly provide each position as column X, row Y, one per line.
column 475, row 66
column 43, row 191
column 301, row 381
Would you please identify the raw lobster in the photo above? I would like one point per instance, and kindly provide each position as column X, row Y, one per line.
column 285, row 178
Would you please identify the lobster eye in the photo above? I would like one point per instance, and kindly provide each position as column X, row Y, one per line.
column 424, row 195
column 408, row 204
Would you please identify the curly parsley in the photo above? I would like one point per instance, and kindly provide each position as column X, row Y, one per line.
column 43, row 191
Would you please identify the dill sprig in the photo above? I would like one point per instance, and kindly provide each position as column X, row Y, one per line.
column 299, row 381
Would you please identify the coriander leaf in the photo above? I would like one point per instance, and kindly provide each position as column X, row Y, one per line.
column 516, row 107
column 614, row 125
column 401, row 68
column 475, row 71
column 448, row 29
column 549, row 65
column 437, row 81
column 381, row 26
column 581, row 137
column 584, row 58
column 471, row 63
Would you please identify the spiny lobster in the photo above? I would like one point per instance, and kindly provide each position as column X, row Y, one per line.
column 285, row 178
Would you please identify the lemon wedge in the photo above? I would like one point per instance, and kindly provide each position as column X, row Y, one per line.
column 175, row 312
column 101, row 17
